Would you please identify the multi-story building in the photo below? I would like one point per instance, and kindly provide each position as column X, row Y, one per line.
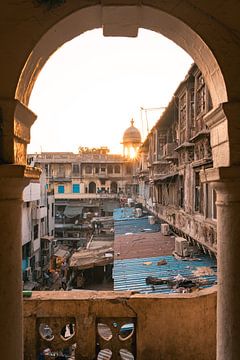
column 170, row 161
column 37, row 230
column 88, row 183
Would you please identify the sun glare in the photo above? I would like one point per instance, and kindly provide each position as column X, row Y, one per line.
column 93, row 85
column 132, row 153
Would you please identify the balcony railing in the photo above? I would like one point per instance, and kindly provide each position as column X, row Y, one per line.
column 120, row 325
column 168, row 150
column 86, row 196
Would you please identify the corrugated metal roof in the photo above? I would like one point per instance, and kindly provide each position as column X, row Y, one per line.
column 123, row 213
column 131, row 274
column 126, row 222
column 135, row 225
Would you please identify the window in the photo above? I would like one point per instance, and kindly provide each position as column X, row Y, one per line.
column 103, row 169
column 198, row 194
column 214, row 206
column 75, row 169
column 96, row 169
column 61, row 169
column 88, row 169
column 200, row 95
column 211, row 212
column 117, row 169
column 52, row 210
column 181, row 191
column 183, row 117
column 110, row 169
column 61, row 189
column 46, row 170
column 129, row 169
column 35, row 232
column 76, row 188
column 159, row 194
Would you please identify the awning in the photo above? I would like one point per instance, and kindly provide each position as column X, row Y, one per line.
column 164, row 177
column 87, row 259
column 61, row 253
column 72, row 211
column 47, row 237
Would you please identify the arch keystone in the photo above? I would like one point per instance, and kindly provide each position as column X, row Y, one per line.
column 120, row 20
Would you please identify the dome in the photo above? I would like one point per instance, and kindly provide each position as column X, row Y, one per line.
column 132, row 135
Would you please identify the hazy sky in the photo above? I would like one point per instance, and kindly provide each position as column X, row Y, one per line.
column 89, row 89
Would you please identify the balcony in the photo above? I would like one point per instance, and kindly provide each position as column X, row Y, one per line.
column 168, row 151
column 39, row 212
column 163, row 325
column 86, row 196
column 61, row 178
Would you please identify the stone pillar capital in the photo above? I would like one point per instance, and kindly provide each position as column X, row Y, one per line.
column 226, row 182
column 223, row 123
column 15, row 120
column 14, row 178
column 218, row 115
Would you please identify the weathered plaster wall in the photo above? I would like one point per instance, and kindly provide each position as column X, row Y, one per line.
column 168, row 327
column 200, row 229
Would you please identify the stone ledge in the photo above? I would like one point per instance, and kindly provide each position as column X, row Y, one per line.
column 112, row 295
column 19, row 171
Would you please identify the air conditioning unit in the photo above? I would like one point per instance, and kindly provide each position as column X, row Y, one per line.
column 165, row 229
column 181, row 246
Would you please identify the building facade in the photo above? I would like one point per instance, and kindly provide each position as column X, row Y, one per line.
column 90, row 183
column 209, row 32
column 37, row 231
column 170, row 161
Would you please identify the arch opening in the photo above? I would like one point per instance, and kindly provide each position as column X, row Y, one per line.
column 123, row 21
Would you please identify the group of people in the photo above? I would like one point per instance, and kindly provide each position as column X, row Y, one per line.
column 56, row 280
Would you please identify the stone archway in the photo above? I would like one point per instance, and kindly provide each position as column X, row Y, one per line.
column 113, row 187
column 30, row 35
column 124, row 21
column 92, row 188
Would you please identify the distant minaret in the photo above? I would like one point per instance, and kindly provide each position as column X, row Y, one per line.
column 131, row 140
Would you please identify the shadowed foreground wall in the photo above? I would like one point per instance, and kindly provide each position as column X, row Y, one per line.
column 179, row 327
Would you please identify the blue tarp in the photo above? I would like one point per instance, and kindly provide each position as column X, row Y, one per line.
column 130, row 274
column 126, row 222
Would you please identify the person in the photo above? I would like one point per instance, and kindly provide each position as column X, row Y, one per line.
column 64, row 283
column 64, row 268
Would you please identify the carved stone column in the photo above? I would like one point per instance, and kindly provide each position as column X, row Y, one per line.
column 226, row 182
column 13, row 179
column 15, row 123
column 224, row 126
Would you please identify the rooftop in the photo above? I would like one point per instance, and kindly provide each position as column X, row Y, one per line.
column 131, row 274
column 142, row 251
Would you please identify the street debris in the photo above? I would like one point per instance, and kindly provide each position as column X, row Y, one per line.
column 162, row 262
column 178, row 283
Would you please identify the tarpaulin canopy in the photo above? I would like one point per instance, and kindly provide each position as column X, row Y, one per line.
column 86, row 259
column 72, row 211
column 61, row 253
